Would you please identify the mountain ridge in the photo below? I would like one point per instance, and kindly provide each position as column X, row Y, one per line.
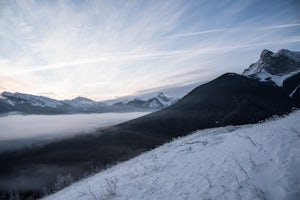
column 281, row 68
column 33, row 104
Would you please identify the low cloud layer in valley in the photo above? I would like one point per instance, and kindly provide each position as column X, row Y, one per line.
column 24, row 130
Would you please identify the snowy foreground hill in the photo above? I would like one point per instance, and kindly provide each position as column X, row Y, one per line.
column 259, row 161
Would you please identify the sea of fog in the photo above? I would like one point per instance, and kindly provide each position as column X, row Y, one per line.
column 24, row 130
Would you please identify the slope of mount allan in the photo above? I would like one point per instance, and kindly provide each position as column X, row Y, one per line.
column 249, row 162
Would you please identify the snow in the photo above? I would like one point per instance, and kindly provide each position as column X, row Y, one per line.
column 154, row 104
column 252, row 69
column 290, row 54
column 125, row 99
column 277, row 79
column 158, row 101
column 258, row 71
column 10, row 102
column 161, row 100
column 294, row 91
column 259, row 161
column 83, row 103
column 33, row 100
column 164, row 100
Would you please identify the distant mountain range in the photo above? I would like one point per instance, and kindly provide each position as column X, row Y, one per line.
column 269, row 87
column 31, row 104
column 281, row 68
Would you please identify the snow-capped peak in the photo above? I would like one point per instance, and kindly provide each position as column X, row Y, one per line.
column 275, row 67
column 83, row 100
column 83, row 103
column 157, row 102
column 32, row 99
column 160, row 101
column 162, row 96
column 293, row 55
column 164, row 100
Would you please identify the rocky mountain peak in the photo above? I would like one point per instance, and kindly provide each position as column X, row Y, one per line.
column 82, row 99
column 275, row 66
column 266, row 55
column 162, row 96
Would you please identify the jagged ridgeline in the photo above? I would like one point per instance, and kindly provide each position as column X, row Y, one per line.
column 31, row 104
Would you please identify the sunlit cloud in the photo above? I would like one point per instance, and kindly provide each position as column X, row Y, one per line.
column 103, row 49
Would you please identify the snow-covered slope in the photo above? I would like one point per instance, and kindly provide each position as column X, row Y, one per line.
column 83, row 103
column 275, row 67
column 31, row 99
column 143, row 97
column 28, row 103
column 259, row 161
column 160, row 101
column 157, row 102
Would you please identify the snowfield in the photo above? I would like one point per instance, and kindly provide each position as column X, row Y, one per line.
column 259, row 161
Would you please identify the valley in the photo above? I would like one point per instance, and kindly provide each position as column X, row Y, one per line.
column 229, row 100
column 41, row 129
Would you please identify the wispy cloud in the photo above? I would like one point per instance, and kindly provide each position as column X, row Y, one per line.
column 103, row 49
column 218, row 30
column 282, row 26
column 124, row 56
column 201, row 32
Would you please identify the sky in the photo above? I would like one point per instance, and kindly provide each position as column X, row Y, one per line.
column 105, row 49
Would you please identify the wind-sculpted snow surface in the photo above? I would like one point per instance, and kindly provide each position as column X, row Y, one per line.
column 259, row 161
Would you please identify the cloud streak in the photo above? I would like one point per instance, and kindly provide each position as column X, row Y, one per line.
column 102, row 49
column 219, row 30
column 158, row 55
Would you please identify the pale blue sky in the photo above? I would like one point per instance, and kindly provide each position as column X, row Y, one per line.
column 104, row 49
